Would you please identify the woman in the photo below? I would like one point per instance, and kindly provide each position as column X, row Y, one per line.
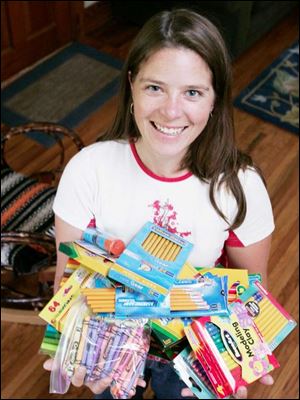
column 170, row 157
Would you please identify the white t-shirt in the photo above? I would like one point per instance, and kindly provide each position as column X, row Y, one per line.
column 108, row 182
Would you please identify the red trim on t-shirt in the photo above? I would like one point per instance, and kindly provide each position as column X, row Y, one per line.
column 92, row 223
column 150, row 173
column 232, row 241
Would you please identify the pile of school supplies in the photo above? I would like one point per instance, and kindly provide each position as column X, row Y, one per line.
column 217, row 327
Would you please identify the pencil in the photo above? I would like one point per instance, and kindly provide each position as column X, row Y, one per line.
column 158, row 247
column 148, row 241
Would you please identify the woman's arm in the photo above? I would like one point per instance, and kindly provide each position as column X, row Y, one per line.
column 64, row 232
column 254, row 258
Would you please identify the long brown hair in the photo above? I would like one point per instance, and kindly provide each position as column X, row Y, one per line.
column 213, row 156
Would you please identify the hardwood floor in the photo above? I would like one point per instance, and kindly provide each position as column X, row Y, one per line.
column 273, row 148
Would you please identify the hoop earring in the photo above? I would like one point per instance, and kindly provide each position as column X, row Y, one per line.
column 131, row 108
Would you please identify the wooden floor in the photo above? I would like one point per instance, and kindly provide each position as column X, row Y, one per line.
column 274, row 149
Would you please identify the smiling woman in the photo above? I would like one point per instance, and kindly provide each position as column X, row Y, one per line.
column 172, row 158
column 172, row 101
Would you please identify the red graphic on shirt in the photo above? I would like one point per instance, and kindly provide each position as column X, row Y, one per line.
column 166, row 217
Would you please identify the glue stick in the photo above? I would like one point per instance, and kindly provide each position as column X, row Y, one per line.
column 104, row 241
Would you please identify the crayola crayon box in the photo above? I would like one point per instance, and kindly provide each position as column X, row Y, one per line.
column 231, row 349
column 238, row 279
column 89, row 255
column 56, row 310
column 151, row 261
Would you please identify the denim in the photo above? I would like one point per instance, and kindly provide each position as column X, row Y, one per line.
column 164, row 382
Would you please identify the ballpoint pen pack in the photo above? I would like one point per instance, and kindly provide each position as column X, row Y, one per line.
column 107, row 348
column 151, row 261
column 206, row 295
column 231, row 349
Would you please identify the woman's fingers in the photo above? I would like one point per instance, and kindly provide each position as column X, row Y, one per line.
column 186, row 392
column 78, row 377
column 141, row 383
column 267, row 380
column 48, row 364
column 241, row 393
column 99, row 386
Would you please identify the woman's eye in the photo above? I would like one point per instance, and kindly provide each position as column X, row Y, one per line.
column 193, row 93
column 153, row 88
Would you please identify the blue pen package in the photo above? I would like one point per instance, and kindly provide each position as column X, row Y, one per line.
column 205, row 296
column 151, row 261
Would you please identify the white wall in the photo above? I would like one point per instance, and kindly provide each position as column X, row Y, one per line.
column 88, row 3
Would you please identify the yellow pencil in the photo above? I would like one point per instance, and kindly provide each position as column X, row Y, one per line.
column 155, row 243
column 158, row 247
column 148, row 241
column 172, row 252
column 166, row 250
column 175, row 254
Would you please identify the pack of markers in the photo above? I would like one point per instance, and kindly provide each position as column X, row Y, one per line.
column 193, row 374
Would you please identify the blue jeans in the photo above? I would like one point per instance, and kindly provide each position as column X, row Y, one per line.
column 164, row 382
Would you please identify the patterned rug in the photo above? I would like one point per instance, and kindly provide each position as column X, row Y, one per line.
column 64, row 89
column 274, row 94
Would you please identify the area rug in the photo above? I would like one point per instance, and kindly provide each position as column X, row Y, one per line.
column 64, row 89
column 274, row 94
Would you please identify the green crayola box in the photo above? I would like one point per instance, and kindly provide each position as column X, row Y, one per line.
column 88, row 255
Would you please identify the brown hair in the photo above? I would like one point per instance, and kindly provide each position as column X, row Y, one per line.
column 213, row 156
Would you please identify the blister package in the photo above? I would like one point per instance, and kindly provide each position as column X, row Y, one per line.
column 106, row 347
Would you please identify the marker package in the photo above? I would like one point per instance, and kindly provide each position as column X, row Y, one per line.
column 107, row 348
column 192, row 373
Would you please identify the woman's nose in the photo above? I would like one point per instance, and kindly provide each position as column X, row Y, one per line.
column 171, row 108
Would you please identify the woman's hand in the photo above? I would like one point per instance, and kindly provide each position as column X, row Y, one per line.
column 97, row 386
column 242, row 392
column 186, row 392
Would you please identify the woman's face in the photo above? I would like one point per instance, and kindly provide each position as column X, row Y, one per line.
column 173, row 97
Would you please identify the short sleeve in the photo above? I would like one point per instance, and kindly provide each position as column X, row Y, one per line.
column 259, row 220
column 73, row 202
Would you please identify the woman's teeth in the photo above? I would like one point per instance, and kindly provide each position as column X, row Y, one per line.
column 168, row 131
